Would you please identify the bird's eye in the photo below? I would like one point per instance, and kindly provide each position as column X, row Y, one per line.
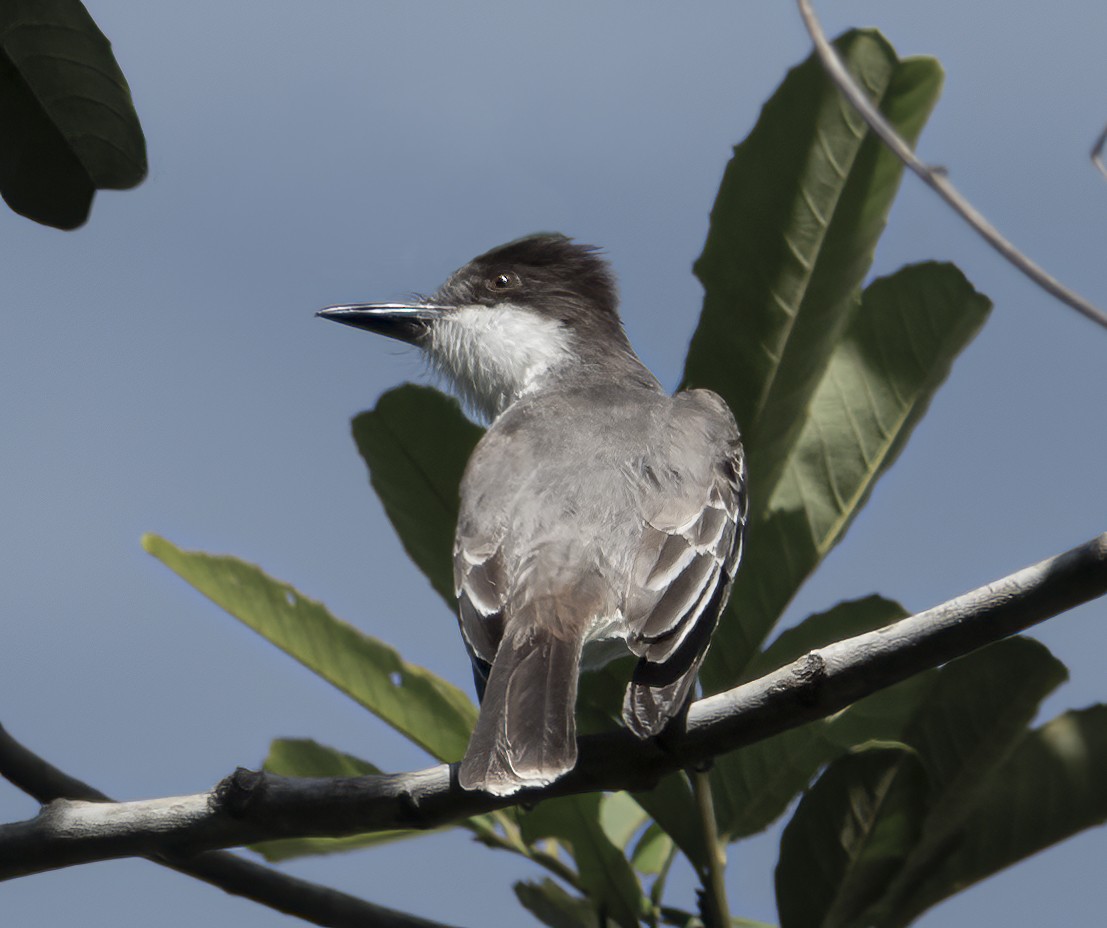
column 506, row 280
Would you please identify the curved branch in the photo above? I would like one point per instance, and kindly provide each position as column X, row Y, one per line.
column 248, row 807
column 935, row 178
column 309, row 901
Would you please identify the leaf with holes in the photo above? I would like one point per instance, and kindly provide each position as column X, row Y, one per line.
column 425, row 708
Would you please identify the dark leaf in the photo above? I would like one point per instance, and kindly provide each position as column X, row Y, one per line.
column 70, row 126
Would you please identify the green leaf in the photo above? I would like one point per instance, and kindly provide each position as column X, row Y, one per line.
column 416, row 442
column 754, row 785
column 553, row 906
column 303, row 757
column 420, row 705
column 848, row 837
column 1050, row 788
column 605, row 873
column 671, row 804
column 621, row 818
column 891, row 359
column 70, row 126
column 653, row 850
column 977, row 713
column 793, row 229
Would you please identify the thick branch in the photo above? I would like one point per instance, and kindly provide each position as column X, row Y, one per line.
column 309, row 901
column 248, row 807
column 936, row 178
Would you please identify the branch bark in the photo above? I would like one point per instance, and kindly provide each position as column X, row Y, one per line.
column 248, row 807
column 936, row 178
column 317, row 904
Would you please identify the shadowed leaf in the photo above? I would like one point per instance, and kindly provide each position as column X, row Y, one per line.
column 554, row 906
column 848, row 837
column 1050, row 788
column 605, row 873
column 891, row 359
column 70, row 126
column 416, row 442
column 976, row 715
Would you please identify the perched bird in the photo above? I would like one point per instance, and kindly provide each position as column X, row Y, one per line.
column 598, row 514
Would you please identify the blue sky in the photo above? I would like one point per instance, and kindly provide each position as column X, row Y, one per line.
column 163, row 371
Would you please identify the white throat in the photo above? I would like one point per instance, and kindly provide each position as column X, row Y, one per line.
column 492, row 355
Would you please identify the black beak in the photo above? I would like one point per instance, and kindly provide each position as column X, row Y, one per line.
column 407, row 322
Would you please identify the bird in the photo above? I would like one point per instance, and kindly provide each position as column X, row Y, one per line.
column 598, row 515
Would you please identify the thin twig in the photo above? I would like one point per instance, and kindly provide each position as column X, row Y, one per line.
column 1097, row 152
column 319, row 905
column 934, row 178
column 248, row 807
column 716, row 909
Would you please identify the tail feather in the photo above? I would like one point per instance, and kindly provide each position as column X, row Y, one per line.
column 526, row 733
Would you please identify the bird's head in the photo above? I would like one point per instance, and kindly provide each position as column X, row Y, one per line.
column 501, row 324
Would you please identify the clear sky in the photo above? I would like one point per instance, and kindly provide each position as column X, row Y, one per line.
column 163, row 372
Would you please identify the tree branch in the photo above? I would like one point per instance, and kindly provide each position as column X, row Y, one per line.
column 309, row 901
column 248, row 807
column 1097, row 152
column 936, row 178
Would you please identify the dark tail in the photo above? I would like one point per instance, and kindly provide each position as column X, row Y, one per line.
column 526, row 733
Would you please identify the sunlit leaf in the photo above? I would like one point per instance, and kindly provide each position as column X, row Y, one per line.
column 793, row 229
column 420, row 705
column 652, row 850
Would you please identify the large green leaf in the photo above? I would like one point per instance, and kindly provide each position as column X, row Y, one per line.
column 415, row 443
column 793, row 229
column 605, row 873
column 976, row 715
column 420, row 705
column 70, row 126
column 891, row 359
column 849, row 835
column 1048, row 789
